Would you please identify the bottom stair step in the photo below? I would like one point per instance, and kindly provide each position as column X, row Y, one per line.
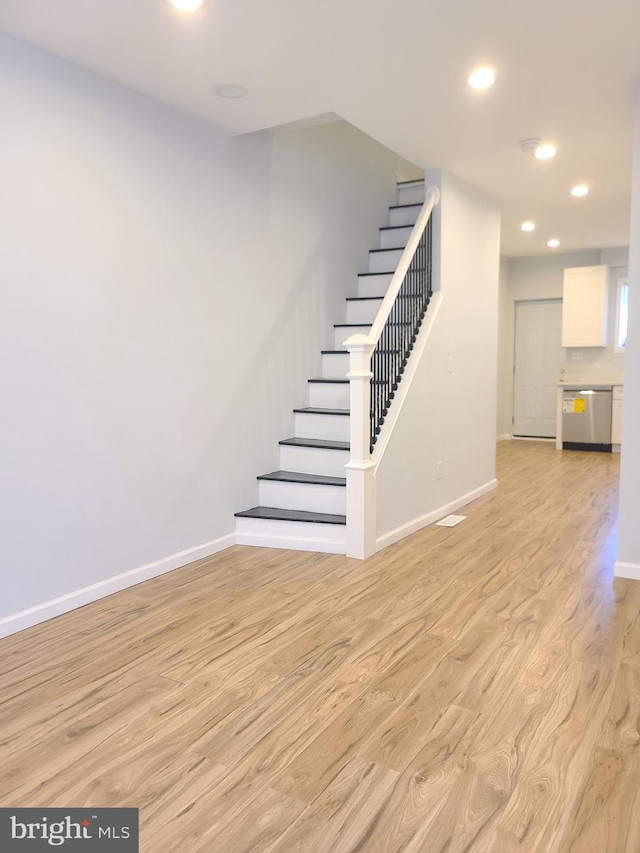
column 273, row 527
column 274, row 514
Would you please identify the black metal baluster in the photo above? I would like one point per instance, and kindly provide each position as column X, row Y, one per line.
column 400, row 331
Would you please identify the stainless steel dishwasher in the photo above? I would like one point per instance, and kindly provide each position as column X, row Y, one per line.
column 586, row 417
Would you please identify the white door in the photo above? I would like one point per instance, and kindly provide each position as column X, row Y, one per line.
column 537, row 367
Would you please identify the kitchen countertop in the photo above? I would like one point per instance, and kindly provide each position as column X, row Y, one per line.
column 586, row 386
column 577, row 384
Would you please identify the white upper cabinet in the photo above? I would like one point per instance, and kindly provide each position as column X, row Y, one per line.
column 584, row 306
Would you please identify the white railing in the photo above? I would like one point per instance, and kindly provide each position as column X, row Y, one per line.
column 365, row 422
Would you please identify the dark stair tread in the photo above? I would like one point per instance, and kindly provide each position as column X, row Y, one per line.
column 275, row 514
column 395, row 249
column 380, row 298
column 371, row 324
column 362, row 274
column 316, row 410
column 346, row 352
column 300, row 477
column 346, row 381
column 321, row 443
column 412, row 181
column 401, row 206
column 395, row 227
column 368, row 325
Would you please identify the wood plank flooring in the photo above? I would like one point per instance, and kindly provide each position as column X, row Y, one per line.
column 474, row 688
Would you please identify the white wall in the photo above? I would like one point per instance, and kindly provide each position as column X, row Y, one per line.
column 541, row 277
column 165, row 293
column 629, row 545
column 505, row 352
column 449, row 415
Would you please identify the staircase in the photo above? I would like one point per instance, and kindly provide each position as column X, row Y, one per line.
column 303, row 505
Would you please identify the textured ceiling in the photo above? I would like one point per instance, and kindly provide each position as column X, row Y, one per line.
column 397, row 70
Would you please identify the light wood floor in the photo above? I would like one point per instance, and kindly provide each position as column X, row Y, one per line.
column 469, row 689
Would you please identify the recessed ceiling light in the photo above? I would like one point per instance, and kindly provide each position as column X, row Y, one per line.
column 482, row 78
column 544, row 152
column 580, row 190
column 553, row 244
column 230, row 90
column 187, row 5
column 527, row 226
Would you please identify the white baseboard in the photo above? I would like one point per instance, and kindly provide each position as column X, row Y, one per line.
column 505, row 437
column 260, row 540
column 627, row 570
column 78, row 598
column 534, row 438
column 431, row 517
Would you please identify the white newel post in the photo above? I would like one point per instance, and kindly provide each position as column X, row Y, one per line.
column 361, row 484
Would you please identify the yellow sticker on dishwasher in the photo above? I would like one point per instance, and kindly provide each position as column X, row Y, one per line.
column 579, row 405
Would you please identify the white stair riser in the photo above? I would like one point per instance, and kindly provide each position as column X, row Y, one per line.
column 342, row 334
column 363, row 311
column 296, row 535
column 306, row 496
column 313, row 460
column 395, row 239
column 328, row 396
column 335, row 365
column 326, row 427
column 374, row 285
column 403, row 216
column 411, row 194
column 385, row 261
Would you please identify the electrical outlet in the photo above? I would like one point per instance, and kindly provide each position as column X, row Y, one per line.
column 438, row 470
